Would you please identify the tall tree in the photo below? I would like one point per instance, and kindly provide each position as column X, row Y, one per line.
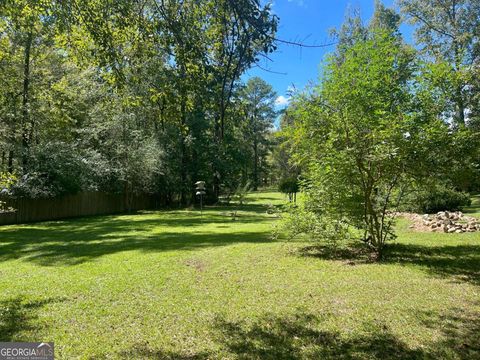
column 118, row 79
column 449, row 32
column 258, row 100
column 32, row 70
column 356, row 133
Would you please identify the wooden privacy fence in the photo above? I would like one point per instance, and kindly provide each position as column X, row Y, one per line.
column 82, row 204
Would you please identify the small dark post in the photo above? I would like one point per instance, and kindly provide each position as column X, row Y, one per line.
column 200, row 191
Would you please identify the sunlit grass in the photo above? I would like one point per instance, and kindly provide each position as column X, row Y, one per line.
column 174, row 284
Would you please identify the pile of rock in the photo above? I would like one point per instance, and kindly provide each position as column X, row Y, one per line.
column 451, row 222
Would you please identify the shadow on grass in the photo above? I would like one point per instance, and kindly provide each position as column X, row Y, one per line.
column 76, row 241
column 143, row 352
column 460, row 262
column 295, row 337
column 352, row 254
column 299, row 338
column 48, row 248
column 17, row 315
column 460, row 332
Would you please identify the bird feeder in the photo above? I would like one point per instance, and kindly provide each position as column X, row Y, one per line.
column 200, row 191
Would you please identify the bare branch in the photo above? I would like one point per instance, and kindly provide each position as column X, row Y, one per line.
column 270, row 71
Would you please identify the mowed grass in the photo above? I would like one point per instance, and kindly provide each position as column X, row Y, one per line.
column 175, row 285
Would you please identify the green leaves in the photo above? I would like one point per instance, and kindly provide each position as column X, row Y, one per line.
column 351, row 134
column 447, row 33
column 110, row 75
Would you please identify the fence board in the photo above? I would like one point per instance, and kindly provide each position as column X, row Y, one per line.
column 82, row 204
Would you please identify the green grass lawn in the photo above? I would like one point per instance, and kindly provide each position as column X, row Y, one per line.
column 474, row 209
column 172, row 284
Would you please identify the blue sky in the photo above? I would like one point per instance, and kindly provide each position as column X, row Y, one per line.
column 309, row 22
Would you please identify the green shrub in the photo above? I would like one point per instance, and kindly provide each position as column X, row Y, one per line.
column 439, row 198
column 297, row 220
column 58, row 168
column 289, row 186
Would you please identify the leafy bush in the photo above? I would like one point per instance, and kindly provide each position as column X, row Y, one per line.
column 319, row 228
column 58, row 168
column 289, row 186
column 438, row 198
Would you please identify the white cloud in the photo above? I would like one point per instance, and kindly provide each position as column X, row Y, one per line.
column 298, row 2
column 282, row 101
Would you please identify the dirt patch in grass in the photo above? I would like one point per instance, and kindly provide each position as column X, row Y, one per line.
column 196, row 264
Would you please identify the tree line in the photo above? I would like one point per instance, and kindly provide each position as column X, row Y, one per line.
column 137, row 96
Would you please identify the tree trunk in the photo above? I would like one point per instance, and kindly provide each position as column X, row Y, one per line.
column 460, row 116
column 218, row 142
column 183, row 155
column 459, row 100
column 374, row 229
column 255, row 164
column 26, row 103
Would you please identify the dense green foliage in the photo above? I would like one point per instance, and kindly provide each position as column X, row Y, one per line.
column 289, row 186
column 438, row 198
column 448, row 34
column 131, row 96
column 283, row 166
column 259, row 108
column 357, row 160
column 378, row 126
